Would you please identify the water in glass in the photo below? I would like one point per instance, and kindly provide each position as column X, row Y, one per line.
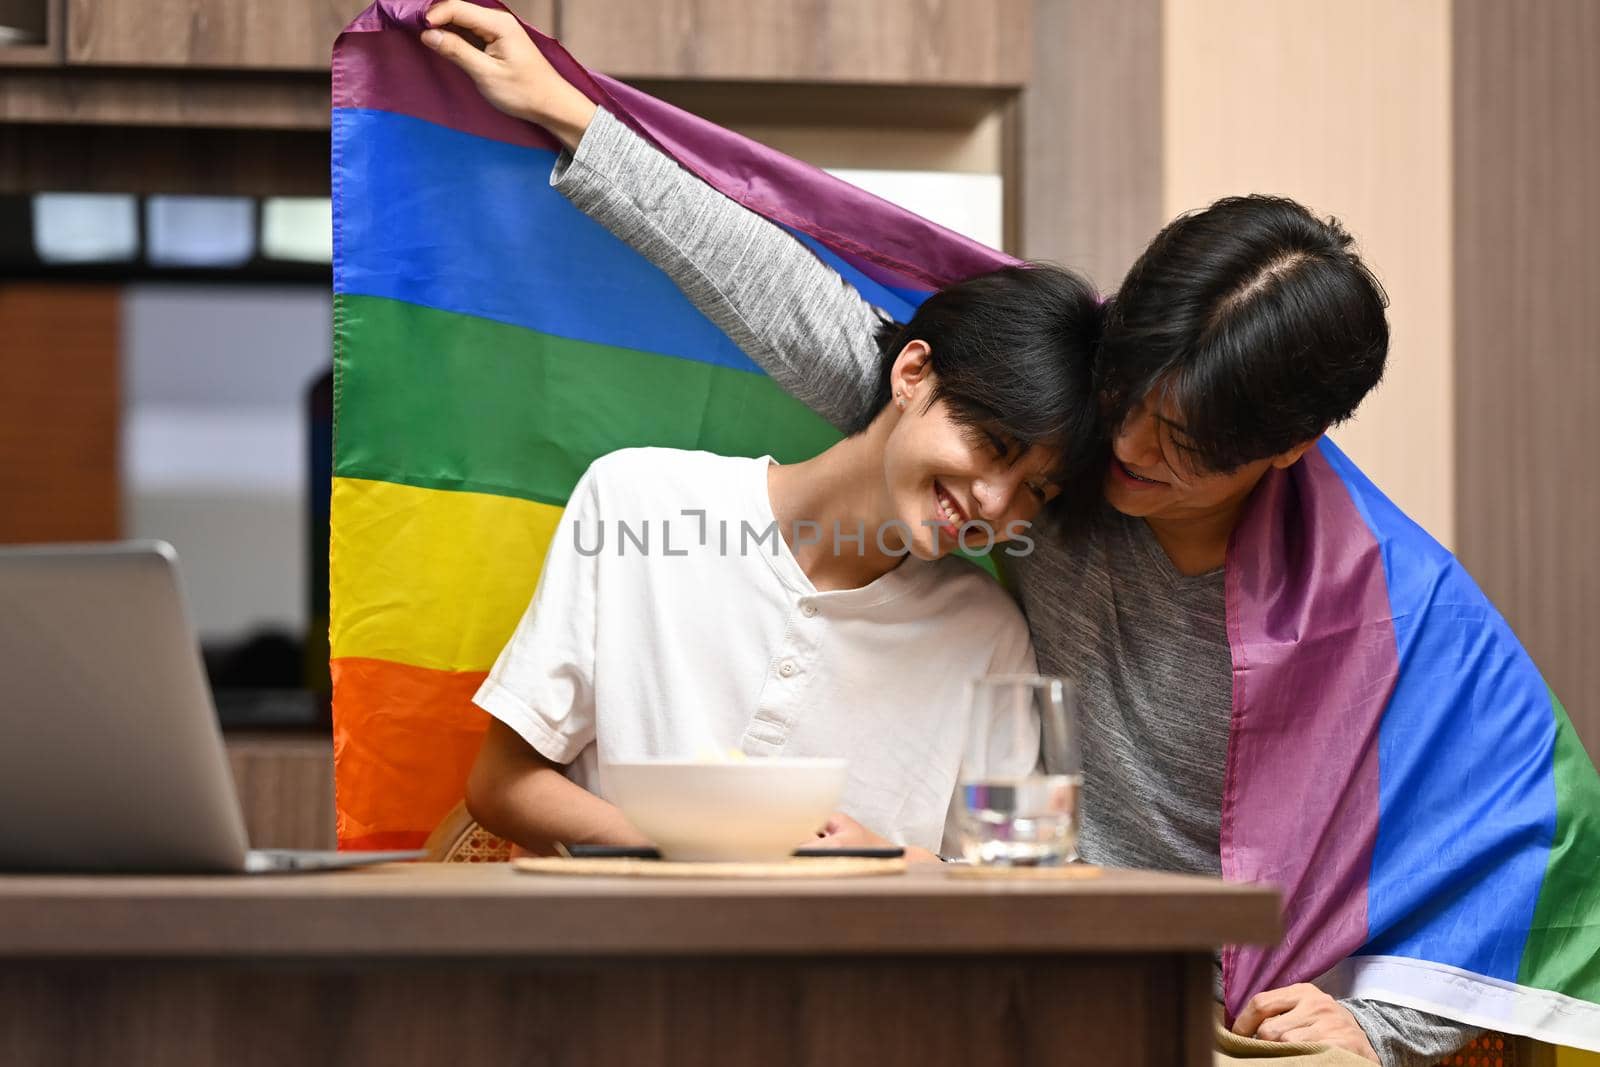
column 1021, row 772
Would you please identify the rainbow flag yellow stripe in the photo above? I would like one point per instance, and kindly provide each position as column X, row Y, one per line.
column 436, row 579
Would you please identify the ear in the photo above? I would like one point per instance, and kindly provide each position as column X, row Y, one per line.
column 1290, row 458
column 911, row 368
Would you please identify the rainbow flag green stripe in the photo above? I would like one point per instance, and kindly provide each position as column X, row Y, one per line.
column 512, row 427
column 1553, row 958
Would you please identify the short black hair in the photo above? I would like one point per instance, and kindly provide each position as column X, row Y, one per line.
column 1256, row 319
column 1012, row 353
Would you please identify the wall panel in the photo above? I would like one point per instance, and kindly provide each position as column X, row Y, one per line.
column 1088, row 136
column 1345, row 106
column 1527, row 315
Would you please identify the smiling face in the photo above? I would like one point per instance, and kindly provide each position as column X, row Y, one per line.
column 941, row 473
column 1149, row 478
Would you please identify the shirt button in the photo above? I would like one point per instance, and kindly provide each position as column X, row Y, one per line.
column 808, row 609
column 787, row 668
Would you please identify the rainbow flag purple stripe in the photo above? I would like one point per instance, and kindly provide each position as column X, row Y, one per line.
column 1398, row 765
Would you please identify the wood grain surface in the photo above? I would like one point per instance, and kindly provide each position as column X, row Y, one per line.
column 60, row 412
column 41, row 19
column 234, row 34
column 925, row 42
column 1527, row 327
column 132, row 159
column 1103, row 1010
column 285, row 786
column 487, row 909
column 1089, row 136
column 224, row 100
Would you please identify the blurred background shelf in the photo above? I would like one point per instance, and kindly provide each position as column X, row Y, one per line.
column 30, row 32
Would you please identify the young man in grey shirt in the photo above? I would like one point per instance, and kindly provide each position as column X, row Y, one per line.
column 1130, row 601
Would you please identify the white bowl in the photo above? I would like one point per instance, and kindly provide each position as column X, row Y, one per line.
column 738, row 810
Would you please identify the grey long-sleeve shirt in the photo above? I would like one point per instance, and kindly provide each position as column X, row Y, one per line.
column 1146, row 644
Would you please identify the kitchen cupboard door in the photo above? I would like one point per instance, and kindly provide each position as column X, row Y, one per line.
column 903, row 42
column 30, row 33
column 226, row 34
column 60, row 412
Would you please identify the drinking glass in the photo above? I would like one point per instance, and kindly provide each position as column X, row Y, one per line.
column 1017, row 799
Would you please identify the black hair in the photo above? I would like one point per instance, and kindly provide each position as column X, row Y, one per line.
column 1256, row 320
column 1012, row 354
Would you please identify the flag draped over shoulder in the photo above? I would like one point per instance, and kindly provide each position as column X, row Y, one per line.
column 1396, row 763
column 490, row 341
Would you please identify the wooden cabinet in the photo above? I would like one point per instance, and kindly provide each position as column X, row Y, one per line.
column 288, row 35
column 285, row 786
column 924, row 42
column 60, row 412
column 237, row 34
column 30, row 32
column 904, row 42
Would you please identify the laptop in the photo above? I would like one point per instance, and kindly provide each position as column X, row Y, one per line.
column 110, row 754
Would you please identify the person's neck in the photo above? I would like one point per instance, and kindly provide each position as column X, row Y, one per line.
column 841, row 489
column 1198, row 544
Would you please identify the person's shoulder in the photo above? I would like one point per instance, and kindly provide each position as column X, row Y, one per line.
column 647, row 464
column 981, row 599
column 675, row 477
column 971, row 604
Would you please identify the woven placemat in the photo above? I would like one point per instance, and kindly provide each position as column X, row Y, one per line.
column 843, row 867
column 1069, row 873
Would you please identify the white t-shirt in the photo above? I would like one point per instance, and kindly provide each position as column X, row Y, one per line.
column 711, row 637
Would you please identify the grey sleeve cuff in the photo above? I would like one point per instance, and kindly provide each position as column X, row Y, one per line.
column 611, row 154
column 787, row 310
column 1405, row 1037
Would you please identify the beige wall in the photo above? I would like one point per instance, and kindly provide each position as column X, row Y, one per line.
column 1345, row 106
column 974, row 149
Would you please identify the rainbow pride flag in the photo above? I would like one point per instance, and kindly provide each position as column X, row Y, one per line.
column 490, row 341
column 1396, row 764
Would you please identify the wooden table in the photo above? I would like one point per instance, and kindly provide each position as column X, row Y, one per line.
column 472, row 964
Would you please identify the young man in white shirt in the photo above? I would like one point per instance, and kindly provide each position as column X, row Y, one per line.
column 694, row 602
column 804, row 610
